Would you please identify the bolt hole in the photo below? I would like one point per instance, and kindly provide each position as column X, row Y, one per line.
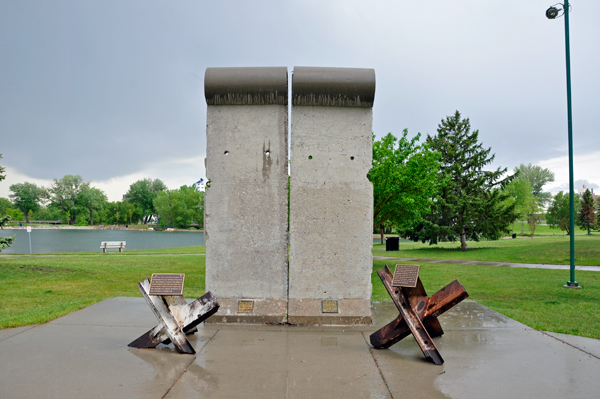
column 352, row 158
column 426, row 342
column 310, row 157
column 226, row 153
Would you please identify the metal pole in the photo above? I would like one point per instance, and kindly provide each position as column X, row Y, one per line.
column 30, row 242
column 571, row 282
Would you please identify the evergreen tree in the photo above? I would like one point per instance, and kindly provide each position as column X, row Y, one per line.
column 586, row 217
column 470, row 203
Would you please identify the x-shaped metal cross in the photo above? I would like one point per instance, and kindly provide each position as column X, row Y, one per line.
column 176, row 319
column 418, row 314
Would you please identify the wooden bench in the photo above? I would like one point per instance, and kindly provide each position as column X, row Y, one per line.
column 120, row 245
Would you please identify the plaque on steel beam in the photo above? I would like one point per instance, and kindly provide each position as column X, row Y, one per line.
column 166, row 284
column 406, row 276
column 245, row 306
column 329, row 306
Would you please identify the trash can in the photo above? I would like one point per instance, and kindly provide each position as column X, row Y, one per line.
column 392, row 244
column 514, row 235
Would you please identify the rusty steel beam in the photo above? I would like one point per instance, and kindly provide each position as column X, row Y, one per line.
column 423, row 308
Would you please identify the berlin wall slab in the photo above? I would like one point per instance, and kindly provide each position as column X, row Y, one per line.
column 331, row 199
column 246, row 201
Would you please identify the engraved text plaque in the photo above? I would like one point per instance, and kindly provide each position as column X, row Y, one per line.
column 166, row 284
column 329, row 306
column 245, row 306
column 406, row 276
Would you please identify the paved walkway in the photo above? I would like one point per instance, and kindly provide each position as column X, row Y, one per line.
column 85, row 355
column 484, row 263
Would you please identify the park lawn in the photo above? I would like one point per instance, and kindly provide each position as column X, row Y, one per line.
column 534, row 297
column 547, row 250
column 39, row 289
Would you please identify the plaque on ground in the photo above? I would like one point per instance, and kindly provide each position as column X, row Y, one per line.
column 245, row 306
column 329, row 306
column 166, row 284
column 406, row 276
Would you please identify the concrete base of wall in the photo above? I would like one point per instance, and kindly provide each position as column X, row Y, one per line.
column 310, row 311
column 269, row 311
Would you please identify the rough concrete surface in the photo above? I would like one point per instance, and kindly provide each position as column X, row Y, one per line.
column 246, row 205
column 487, row 355
column 331, row 204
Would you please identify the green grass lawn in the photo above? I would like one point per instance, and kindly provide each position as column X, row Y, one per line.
column 38, row 289
column 548, row 250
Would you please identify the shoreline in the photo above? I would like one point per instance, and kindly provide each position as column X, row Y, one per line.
column 55, row 227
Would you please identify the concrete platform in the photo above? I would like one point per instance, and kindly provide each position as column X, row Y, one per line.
column 487, row 355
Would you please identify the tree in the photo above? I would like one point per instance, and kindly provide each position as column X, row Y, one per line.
column 4, row 205
column 538, row 177
column 558, row 215
column 4, row 241
column 586, row 217
column 92, row 199
column 526, row 204
column 142, row 194
column 180, row 207
column 64, row 193
column 27, row 197
column 404, row 177
column 470, row 203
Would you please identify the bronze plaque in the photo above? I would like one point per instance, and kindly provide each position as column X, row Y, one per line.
column 329, row 306
column 166, row 284
column 406, row 276
column 245, row 306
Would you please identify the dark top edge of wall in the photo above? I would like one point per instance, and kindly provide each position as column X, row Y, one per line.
column 338, row 87
column 246, row 86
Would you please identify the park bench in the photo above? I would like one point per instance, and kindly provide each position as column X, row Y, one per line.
column 120, row 245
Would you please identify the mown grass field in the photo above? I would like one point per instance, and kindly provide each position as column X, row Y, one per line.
column 37, row 289
column 547, row 250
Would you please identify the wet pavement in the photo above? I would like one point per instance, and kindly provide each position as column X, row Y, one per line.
column 85, row 355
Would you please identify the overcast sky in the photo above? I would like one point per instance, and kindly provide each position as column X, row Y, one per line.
column 114, row 90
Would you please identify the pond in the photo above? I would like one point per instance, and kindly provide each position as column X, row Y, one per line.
column 67, row 240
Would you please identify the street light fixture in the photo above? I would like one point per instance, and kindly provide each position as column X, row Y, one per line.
column 553, row 13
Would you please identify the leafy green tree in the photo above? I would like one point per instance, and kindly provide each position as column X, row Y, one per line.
column 526, row 204
column 558, row 215
column 4, row 241
column 470, row 203
column 404, row 177
column 64, row 193
column 586, row 217
column 27, row 197
column 92, row 199
column 15, row 214
column 142, row 194
column 180, row 207
column 538, row 177
column 4, row 205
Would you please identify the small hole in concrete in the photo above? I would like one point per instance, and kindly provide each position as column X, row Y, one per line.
column 268, row 152
column 352, row 158
column 310, row 157
column 226, row 153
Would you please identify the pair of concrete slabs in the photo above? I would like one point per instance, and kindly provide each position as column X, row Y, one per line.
column 315, row 267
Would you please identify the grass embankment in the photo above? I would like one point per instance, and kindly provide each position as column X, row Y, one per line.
column 547, row 250
column 38, row 289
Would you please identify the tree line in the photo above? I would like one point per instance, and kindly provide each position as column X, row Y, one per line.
column 74, row 201
column 440, row 190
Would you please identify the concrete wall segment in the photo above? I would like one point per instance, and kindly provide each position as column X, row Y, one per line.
column 246, row 86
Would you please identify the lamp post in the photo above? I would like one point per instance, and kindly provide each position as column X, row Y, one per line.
column 552, row 13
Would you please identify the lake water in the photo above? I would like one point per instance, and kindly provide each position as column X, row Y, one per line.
column 64, row 240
